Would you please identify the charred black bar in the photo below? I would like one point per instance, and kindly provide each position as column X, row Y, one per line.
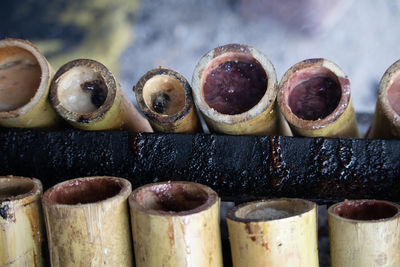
column 239, row 168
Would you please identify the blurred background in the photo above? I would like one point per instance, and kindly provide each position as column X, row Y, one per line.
column 133, row 36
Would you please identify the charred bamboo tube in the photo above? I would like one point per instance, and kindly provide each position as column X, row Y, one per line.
column 235, row 87
column 364, row 233
column 386, row 122
column 22, row 233
column 280, row 232
column 87, row 222
column 175, row 224
column 85, row 93
column 165, row 98
column 314, row 97
column 25, row 77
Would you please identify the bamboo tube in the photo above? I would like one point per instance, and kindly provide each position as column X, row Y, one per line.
column 165, row 98
column 25, row 77
column 235, row 87
column 314, row 97
column 87, row 222
column 22, row 233
column 386, row 122
column 279, row 232
column 85, row 93
column 176, row 224
column 364, row 233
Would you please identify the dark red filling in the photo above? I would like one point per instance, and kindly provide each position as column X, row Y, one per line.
column 84, row 191
column 234, row 87
column 315, row 98
column 365, row 210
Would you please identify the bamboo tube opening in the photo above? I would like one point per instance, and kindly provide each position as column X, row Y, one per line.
column 233, row 83
column 365, row 210
column 84, row 191
column 24, row 79
column 393, row 95
column 179, row 198
column 81, row 90
column 16, row 188
column 313, row 94
column 20, row 76
column 271, row 209
column 164, row 94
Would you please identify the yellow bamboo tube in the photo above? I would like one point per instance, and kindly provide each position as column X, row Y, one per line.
column 235, row 88
column 165, row 98
column 279, row 232
column 87, row 222
column 25, row 77
column 175, row 224
column 364, row 233
column 85, row 93
column 386, row 122
column 22, row 233
column 314, row 97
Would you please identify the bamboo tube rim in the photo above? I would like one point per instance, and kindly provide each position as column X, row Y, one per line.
column 326, row 68
column 140, row 92
column 293, row 206
column 229, row 51
column 44, row 79
column 19, row 190
column 106, row 76
column 147, row 198
column 58, row 194
column 391, row 75
column 359, row 203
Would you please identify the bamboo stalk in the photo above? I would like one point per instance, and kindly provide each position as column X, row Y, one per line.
column 314, row 97
column 386, row 122
column 176, row 224
column 87, row 222
column 25, row 77
column 22, row 233
column 279, row 232
column 85, row 93
column 364, row 233
column 165, row 98
column 235, row 88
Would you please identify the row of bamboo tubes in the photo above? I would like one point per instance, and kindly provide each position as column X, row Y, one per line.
column 86, row 94
column 99, row 221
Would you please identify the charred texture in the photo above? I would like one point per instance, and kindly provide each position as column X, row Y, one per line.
column 239, row 168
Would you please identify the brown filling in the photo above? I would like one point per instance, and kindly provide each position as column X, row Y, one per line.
column 172, row 197
column 393, row 95
column 82, row 191
column 365, row 210
column 98, row 91
column 315, row 98
column 235, row 85
column 14, row 188
column 20, row 76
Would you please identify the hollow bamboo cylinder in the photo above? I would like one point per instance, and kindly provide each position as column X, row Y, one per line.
column 314, row 97
column 279, row 232
column 25, row 77
column 85, row 93
column 175, row 224
column 22, row 233
column 165, row 98
column 235, row 88
column 364, row 233
column 87, row 222
column 386, row 122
